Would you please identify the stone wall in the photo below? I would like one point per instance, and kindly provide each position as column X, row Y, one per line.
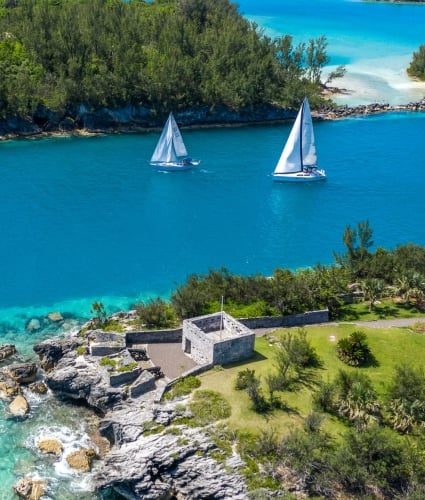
column 196, row 343
column 124, row 378
column 153, row 337
column 145, row 383
column 232, row 350
column 307, row 318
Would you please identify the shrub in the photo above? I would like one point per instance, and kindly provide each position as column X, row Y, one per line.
column 183, row 387
column 156, row 313
column 209, row 406
column 244, row 379
column 353, row 350
column 108, row 362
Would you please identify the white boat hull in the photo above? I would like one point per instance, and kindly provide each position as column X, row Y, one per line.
column 177, row 166
column 317, row 175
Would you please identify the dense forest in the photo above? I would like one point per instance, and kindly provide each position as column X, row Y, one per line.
column 164, row 54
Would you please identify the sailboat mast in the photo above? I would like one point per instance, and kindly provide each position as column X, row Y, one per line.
column 301, row 136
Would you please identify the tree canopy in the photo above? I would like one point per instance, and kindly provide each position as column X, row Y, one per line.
column 163, row 54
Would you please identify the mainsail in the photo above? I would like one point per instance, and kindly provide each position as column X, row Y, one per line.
column 170, row 145
column 300, row 149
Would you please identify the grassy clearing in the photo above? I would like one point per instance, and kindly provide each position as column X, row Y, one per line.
column 389, row 347
column 385, row 309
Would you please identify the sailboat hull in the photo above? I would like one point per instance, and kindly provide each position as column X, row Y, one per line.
column 174, row 166
column 317, row 175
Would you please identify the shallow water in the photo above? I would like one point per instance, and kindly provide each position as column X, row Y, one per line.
column 374, row 40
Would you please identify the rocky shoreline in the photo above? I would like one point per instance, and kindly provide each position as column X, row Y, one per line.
column 153, row 449
column 81, row 120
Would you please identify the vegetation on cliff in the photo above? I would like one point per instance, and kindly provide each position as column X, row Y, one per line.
column 164, row 54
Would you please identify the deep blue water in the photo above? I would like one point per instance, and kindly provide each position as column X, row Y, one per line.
column 85, row 218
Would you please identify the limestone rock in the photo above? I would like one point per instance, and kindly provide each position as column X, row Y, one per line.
column 50, row 445
column 81, row 460
column 19, row 407
column 7, row 350
column 51, row 351
column 39, row 387
column 23, row 373
column 8, row 387
column 81, row 378
column 33, row 325
column 30, row 489
column 55, row 317
column 166, row 465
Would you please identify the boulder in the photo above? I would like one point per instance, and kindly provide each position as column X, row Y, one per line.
column 39, row 387
column 50, row 445
column 23, row 373
column 19, row 407
column 8, row 387
column 7, row 350
column 82, row 459
column 30, row 489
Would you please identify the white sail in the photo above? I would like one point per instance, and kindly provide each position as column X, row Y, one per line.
column 300, row 149
column 170, row 145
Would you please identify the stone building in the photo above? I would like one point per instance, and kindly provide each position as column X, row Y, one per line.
column 217, row 339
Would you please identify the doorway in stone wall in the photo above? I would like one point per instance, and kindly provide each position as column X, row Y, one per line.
column 187, row 346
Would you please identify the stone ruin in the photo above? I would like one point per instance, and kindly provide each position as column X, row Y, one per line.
column 217, row 339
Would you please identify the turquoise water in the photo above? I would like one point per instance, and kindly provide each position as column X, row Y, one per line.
column 375, row 40
column 85, row 218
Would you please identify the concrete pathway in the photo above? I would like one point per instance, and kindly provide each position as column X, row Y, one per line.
column 171, row 358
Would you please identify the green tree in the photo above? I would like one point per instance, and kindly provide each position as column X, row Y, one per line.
column 417, row 64
column 156, row 313
column 353, row 350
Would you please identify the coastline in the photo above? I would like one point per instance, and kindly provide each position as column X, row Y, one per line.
column 133, row 119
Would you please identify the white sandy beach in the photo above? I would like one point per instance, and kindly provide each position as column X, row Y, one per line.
column 381, row 80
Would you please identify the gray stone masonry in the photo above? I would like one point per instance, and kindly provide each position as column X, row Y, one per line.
column 145, row 383
column 217, row 338
column 125, row 378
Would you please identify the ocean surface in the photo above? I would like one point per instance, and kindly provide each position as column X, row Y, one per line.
column 86, row 219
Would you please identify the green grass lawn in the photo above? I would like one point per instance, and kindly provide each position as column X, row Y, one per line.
column 389, row 347
column 385, row 309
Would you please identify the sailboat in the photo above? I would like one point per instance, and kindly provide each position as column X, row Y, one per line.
column 170, row 153
column 297, row 162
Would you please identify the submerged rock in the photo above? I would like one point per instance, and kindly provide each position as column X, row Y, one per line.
column 33, row 325
column 55, row 317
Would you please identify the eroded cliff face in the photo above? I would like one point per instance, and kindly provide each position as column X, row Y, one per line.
column 84, row 120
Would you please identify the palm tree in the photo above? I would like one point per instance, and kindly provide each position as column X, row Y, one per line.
column 373, row 289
